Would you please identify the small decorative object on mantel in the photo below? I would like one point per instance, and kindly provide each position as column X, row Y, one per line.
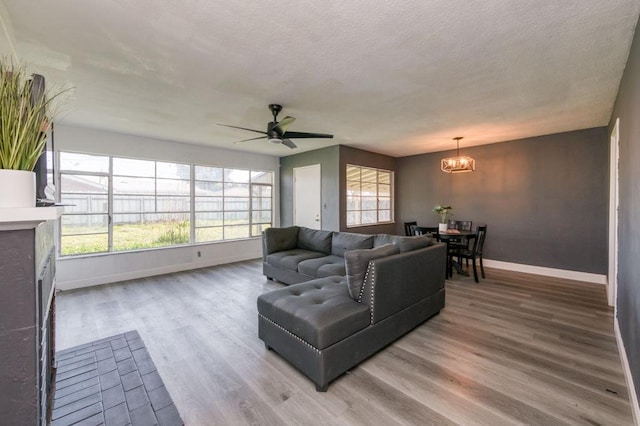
column 458, row 164
column 26, row 110
column 444, row 213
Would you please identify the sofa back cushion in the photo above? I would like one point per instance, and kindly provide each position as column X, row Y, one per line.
column 343, row 241
column 404, row 243
column 382, row 239
column 315, row 240
column 413, row 243
column 357, row 261
column 280, row 239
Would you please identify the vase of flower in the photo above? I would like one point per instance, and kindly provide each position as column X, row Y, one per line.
column 444, row 212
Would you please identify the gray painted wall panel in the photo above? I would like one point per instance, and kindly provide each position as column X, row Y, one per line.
column 333, row 161
column 627, row 108
column 328, row 160
column 544, row 199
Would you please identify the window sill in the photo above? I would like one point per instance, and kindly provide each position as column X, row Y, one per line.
column 121, row 252
column 366, row 225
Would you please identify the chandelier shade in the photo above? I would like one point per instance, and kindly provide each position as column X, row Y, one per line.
column 459, row 163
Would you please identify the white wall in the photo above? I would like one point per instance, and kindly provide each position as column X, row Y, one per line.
column 83, row 271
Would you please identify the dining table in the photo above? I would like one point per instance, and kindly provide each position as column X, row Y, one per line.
column 454, row 235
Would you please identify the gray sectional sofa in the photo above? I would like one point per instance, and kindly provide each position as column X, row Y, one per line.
column 349, row 295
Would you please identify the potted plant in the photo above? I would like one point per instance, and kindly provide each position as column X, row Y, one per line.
column 444, row 213
column 25, row 114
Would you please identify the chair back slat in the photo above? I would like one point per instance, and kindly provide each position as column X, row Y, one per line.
column 408, row 231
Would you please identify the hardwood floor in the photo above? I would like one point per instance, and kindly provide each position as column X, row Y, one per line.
column 514, row 349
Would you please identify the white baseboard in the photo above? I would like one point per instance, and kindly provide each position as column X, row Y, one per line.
column 633, row 396
column 144, row 273
column 549, row 272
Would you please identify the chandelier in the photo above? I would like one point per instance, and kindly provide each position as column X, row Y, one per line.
column 458, row 164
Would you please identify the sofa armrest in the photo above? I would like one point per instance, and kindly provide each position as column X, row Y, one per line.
column 396, row 282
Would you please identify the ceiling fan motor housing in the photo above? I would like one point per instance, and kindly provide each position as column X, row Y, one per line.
column 272, row 133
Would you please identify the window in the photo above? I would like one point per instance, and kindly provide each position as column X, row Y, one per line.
column 369, row 196
column 118, row 204
column 231, row 203
column 84, row 187
column 151, row 204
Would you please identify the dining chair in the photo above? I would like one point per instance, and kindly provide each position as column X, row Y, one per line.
column 408, row 231
column 460, row 225
column 473, row 254
column 464, row 225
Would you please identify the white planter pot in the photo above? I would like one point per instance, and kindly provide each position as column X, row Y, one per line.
column 17, row 188
column 442, row 228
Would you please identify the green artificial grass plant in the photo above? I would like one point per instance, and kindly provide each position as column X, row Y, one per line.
column 23, row 118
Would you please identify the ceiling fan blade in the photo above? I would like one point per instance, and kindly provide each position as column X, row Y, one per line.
column 300, row 135
column 284, row 124
column 247, row 140
column 242, row 128
column 289, row 143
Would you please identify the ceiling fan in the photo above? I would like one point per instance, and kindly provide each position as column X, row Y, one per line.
column 277, row 132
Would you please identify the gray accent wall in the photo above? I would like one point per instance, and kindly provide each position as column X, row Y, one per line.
column 627, row 108
column 544, row 199
column 328, row 160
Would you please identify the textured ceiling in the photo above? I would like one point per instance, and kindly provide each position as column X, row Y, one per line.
column 396, row 77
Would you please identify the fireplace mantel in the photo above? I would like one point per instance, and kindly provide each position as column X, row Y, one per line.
column 12, row 219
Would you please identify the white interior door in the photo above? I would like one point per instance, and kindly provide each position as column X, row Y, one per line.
column 612, row 279
column 307, row 200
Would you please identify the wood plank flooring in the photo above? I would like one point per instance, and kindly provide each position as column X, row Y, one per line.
column 514, row 349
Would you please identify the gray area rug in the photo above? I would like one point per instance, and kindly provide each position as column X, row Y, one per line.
column 111, row 381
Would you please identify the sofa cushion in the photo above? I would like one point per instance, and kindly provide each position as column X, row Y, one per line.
column 320, row 312
column 315, row 240
column 404, row 243
column 323, row 266
column 413, row 243
column 382, row 239
column 357, row 261
column 289, row 259
column 280, row 239
column 343, row 241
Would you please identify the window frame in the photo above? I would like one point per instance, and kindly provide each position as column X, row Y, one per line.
column 223, row 210
column 191, row 213
column 378, row 198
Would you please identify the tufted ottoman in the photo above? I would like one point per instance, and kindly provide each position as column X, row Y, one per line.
column 302, row 320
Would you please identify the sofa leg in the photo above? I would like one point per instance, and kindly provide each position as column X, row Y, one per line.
column 322, row 388
column 266, row 346
column 269, row 279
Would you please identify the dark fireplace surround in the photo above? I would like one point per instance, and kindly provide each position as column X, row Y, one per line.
column 27, row 324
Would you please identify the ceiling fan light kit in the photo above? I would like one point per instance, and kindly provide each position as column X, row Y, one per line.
column 459, row 163
column 277, row 132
